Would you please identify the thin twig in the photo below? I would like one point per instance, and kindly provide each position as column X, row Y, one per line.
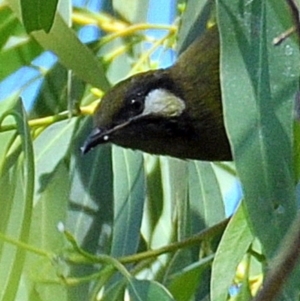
column 46, row 121
column 196, row 239
column 80, row 258
column 295, row 14
column 278, row 40
column 284, row 264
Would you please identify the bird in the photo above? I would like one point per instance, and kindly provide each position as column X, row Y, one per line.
column 176, row 111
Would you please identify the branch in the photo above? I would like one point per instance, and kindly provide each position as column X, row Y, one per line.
column 46, row 121
column 284, row 264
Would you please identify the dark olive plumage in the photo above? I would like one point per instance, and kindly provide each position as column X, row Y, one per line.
column 190, row 126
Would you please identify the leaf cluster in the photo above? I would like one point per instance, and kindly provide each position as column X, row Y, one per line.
column 120, row 224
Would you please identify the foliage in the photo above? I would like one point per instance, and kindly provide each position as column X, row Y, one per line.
column 117, row 222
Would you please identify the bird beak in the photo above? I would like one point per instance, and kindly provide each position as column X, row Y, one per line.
column 96, row 136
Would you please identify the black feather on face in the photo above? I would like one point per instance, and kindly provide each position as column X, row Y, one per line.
column 175, row 111
column 137, row 90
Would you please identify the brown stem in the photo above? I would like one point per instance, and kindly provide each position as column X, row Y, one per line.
column 295, row 14
column 284, row 264
column 205, row 234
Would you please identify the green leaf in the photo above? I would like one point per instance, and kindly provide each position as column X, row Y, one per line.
column 52, row 97
column 50, row 148
column 41, row 292
column 144, row 290
column 233, row 246
column 90, row 211
column 184, row 283
column 17, row 182
column 16, row 52
column 38, row 14
column 74, row 55
column 90, row 214
column 175, row 184
column 129, row 197
column 168, row 199
column 258, row 83
column 154, row 204
column 115, row 292
column 205, row 196
column 134, row 11
column 19, row 55
column 50, row 210
column 9, row 25
column 194, row 22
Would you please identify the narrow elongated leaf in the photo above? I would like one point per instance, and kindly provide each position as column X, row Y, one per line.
column 129, row 197
column 50, row 211
column 18, row 51
column 50, row 147
column 175, row 184
column 134, row 11
column 9, row 25
column 19, row 55
column 90, row 214
column 91, row 194
column 175, row 220
column 54, row 93
column 205, row 196
column 258, row 83
column 194, row 22
column 72, row 53
column 38, row 14
column 115, row 292
column 154, row 205
column 144, row 290
column 183, row 284
column 233, row 246
column 19, row 211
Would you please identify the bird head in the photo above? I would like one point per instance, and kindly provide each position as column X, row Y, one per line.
column 175, row 111
column 141, row 110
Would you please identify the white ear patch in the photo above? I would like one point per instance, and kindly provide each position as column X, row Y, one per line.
column 164, row 103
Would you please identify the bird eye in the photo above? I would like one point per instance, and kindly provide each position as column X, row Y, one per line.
column 136, row 105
